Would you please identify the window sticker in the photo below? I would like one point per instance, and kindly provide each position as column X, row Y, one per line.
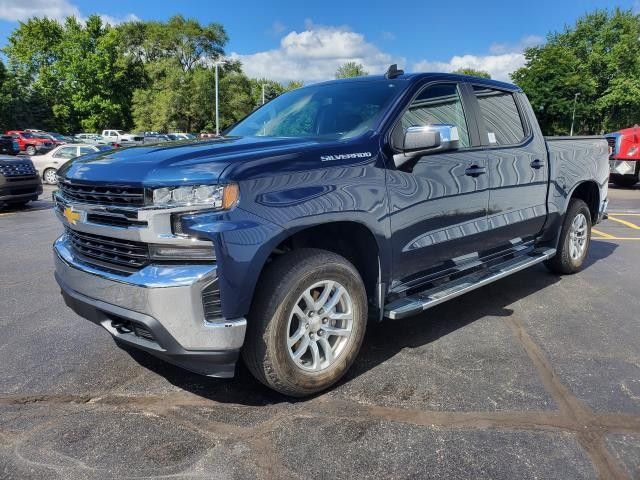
column 492, row 137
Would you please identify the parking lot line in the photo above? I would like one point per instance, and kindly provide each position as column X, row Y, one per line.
column 624, row 222
column 601, row 234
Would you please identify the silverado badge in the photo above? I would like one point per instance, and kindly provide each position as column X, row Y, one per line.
column 72, row 215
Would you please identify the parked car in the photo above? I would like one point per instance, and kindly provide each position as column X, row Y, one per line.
column 625, row 156
column 56, row 138
column 89, row 138
column 49, row 163
column 31, row 143
column 181, row 136
column 332, row 204
column 19, row 181
column 119, row 137
column 8, row 145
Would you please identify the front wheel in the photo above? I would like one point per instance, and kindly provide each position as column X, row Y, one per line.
column 307, row 322
column 30, row 150
column 575, row 238
column 50, row 176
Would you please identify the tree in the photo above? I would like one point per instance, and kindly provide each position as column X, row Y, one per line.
column 351, row 69
column 596, row 58
column 473, row 72
column 69, row 76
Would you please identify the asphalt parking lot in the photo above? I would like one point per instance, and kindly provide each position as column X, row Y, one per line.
column 535, row 376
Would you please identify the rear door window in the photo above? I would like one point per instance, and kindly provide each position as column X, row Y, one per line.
column 500, row 116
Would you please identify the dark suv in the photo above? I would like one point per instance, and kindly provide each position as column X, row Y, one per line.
column 19, row 181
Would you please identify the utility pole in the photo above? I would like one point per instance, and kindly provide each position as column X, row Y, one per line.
column 216, row 63
column 263, row 94
column 573, row 117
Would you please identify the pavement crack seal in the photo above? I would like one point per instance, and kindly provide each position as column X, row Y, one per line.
column 590, row 432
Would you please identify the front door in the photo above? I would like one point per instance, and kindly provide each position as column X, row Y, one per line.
column 438, row 208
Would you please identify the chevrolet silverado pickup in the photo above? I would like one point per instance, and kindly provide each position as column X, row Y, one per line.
column 330, row 207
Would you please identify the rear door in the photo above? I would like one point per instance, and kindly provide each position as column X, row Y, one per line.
column 438, row 208
column 517, row 164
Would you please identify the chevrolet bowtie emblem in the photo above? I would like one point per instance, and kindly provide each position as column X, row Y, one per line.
column 71, row 215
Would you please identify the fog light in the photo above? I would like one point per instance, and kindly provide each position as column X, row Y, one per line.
column 171, row 252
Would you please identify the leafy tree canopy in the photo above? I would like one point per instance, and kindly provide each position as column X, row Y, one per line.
column 473, row 72
column 596, row 58
column 351, row 69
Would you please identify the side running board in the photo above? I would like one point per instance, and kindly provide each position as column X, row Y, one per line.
column 419, row 302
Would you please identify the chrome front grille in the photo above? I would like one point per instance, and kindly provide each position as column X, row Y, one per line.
column 109, row 252
column 102, row 194
column 17, row 170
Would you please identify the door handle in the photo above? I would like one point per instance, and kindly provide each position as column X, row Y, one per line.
column 537, row 164
column 475, row 171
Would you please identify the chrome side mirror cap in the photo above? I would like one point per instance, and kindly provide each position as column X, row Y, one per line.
column 426, row 139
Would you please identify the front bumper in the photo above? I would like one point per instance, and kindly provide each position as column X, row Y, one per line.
column 18, row 190
column 157, row 309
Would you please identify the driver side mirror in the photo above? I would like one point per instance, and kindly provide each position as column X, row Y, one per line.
column 423, row 140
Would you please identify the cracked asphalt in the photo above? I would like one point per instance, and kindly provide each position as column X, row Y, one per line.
column 535, row 376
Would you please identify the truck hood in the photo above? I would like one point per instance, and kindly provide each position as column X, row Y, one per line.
column 176, row 163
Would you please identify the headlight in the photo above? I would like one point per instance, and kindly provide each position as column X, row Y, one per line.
column 221, row 197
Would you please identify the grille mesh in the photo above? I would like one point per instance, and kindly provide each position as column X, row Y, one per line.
column 110, row 251
column 211, row 302
column 102, row 194
column 17, row 170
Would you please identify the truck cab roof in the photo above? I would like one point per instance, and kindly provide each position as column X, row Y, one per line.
column 417, row 77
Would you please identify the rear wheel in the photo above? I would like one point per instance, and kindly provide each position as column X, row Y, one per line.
column 50, row 176
column 574, row 239
column 30, row 150
column 307, row 322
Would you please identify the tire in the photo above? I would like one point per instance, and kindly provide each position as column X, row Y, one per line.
column 30, row 150
column 624, row 181
column 50, row 172
column 273, row 322
column 566, row 261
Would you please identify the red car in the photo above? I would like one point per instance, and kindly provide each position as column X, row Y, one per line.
column 624, row 162
column 31, row 143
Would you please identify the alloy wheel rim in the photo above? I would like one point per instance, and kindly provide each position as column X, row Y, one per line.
column 578, row 237
column 51, row 176
column 320, row 326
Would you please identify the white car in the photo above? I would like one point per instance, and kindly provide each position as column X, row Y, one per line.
column 49, row 163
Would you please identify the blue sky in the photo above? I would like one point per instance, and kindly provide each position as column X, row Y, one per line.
column 293, row 39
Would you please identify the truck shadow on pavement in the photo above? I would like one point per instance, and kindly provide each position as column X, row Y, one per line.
column 382, row 341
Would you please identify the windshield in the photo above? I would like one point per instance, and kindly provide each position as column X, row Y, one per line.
column 330, row 111
column 27, row 135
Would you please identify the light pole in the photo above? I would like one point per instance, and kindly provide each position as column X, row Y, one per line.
column 263, row 94
column 216, row 63
column 573, row 117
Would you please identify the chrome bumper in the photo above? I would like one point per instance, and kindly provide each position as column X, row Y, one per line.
column 166, row 299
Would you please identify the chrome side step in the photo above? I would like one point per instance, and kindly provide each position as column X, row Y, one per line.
column 414, row 304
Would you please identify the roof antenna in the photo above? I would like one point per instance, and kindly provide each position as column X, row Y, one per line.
column 393, row 72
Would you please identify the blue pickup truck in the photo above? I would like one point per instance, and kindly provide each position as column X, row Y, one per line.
column 332, row 206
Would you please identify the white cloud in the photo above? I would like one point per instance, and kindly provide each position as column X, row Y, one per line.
column 130, row 17
column 525, row 42
column 314, row 54
column 499, row 66
column 56, row 9
column 388, row 35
